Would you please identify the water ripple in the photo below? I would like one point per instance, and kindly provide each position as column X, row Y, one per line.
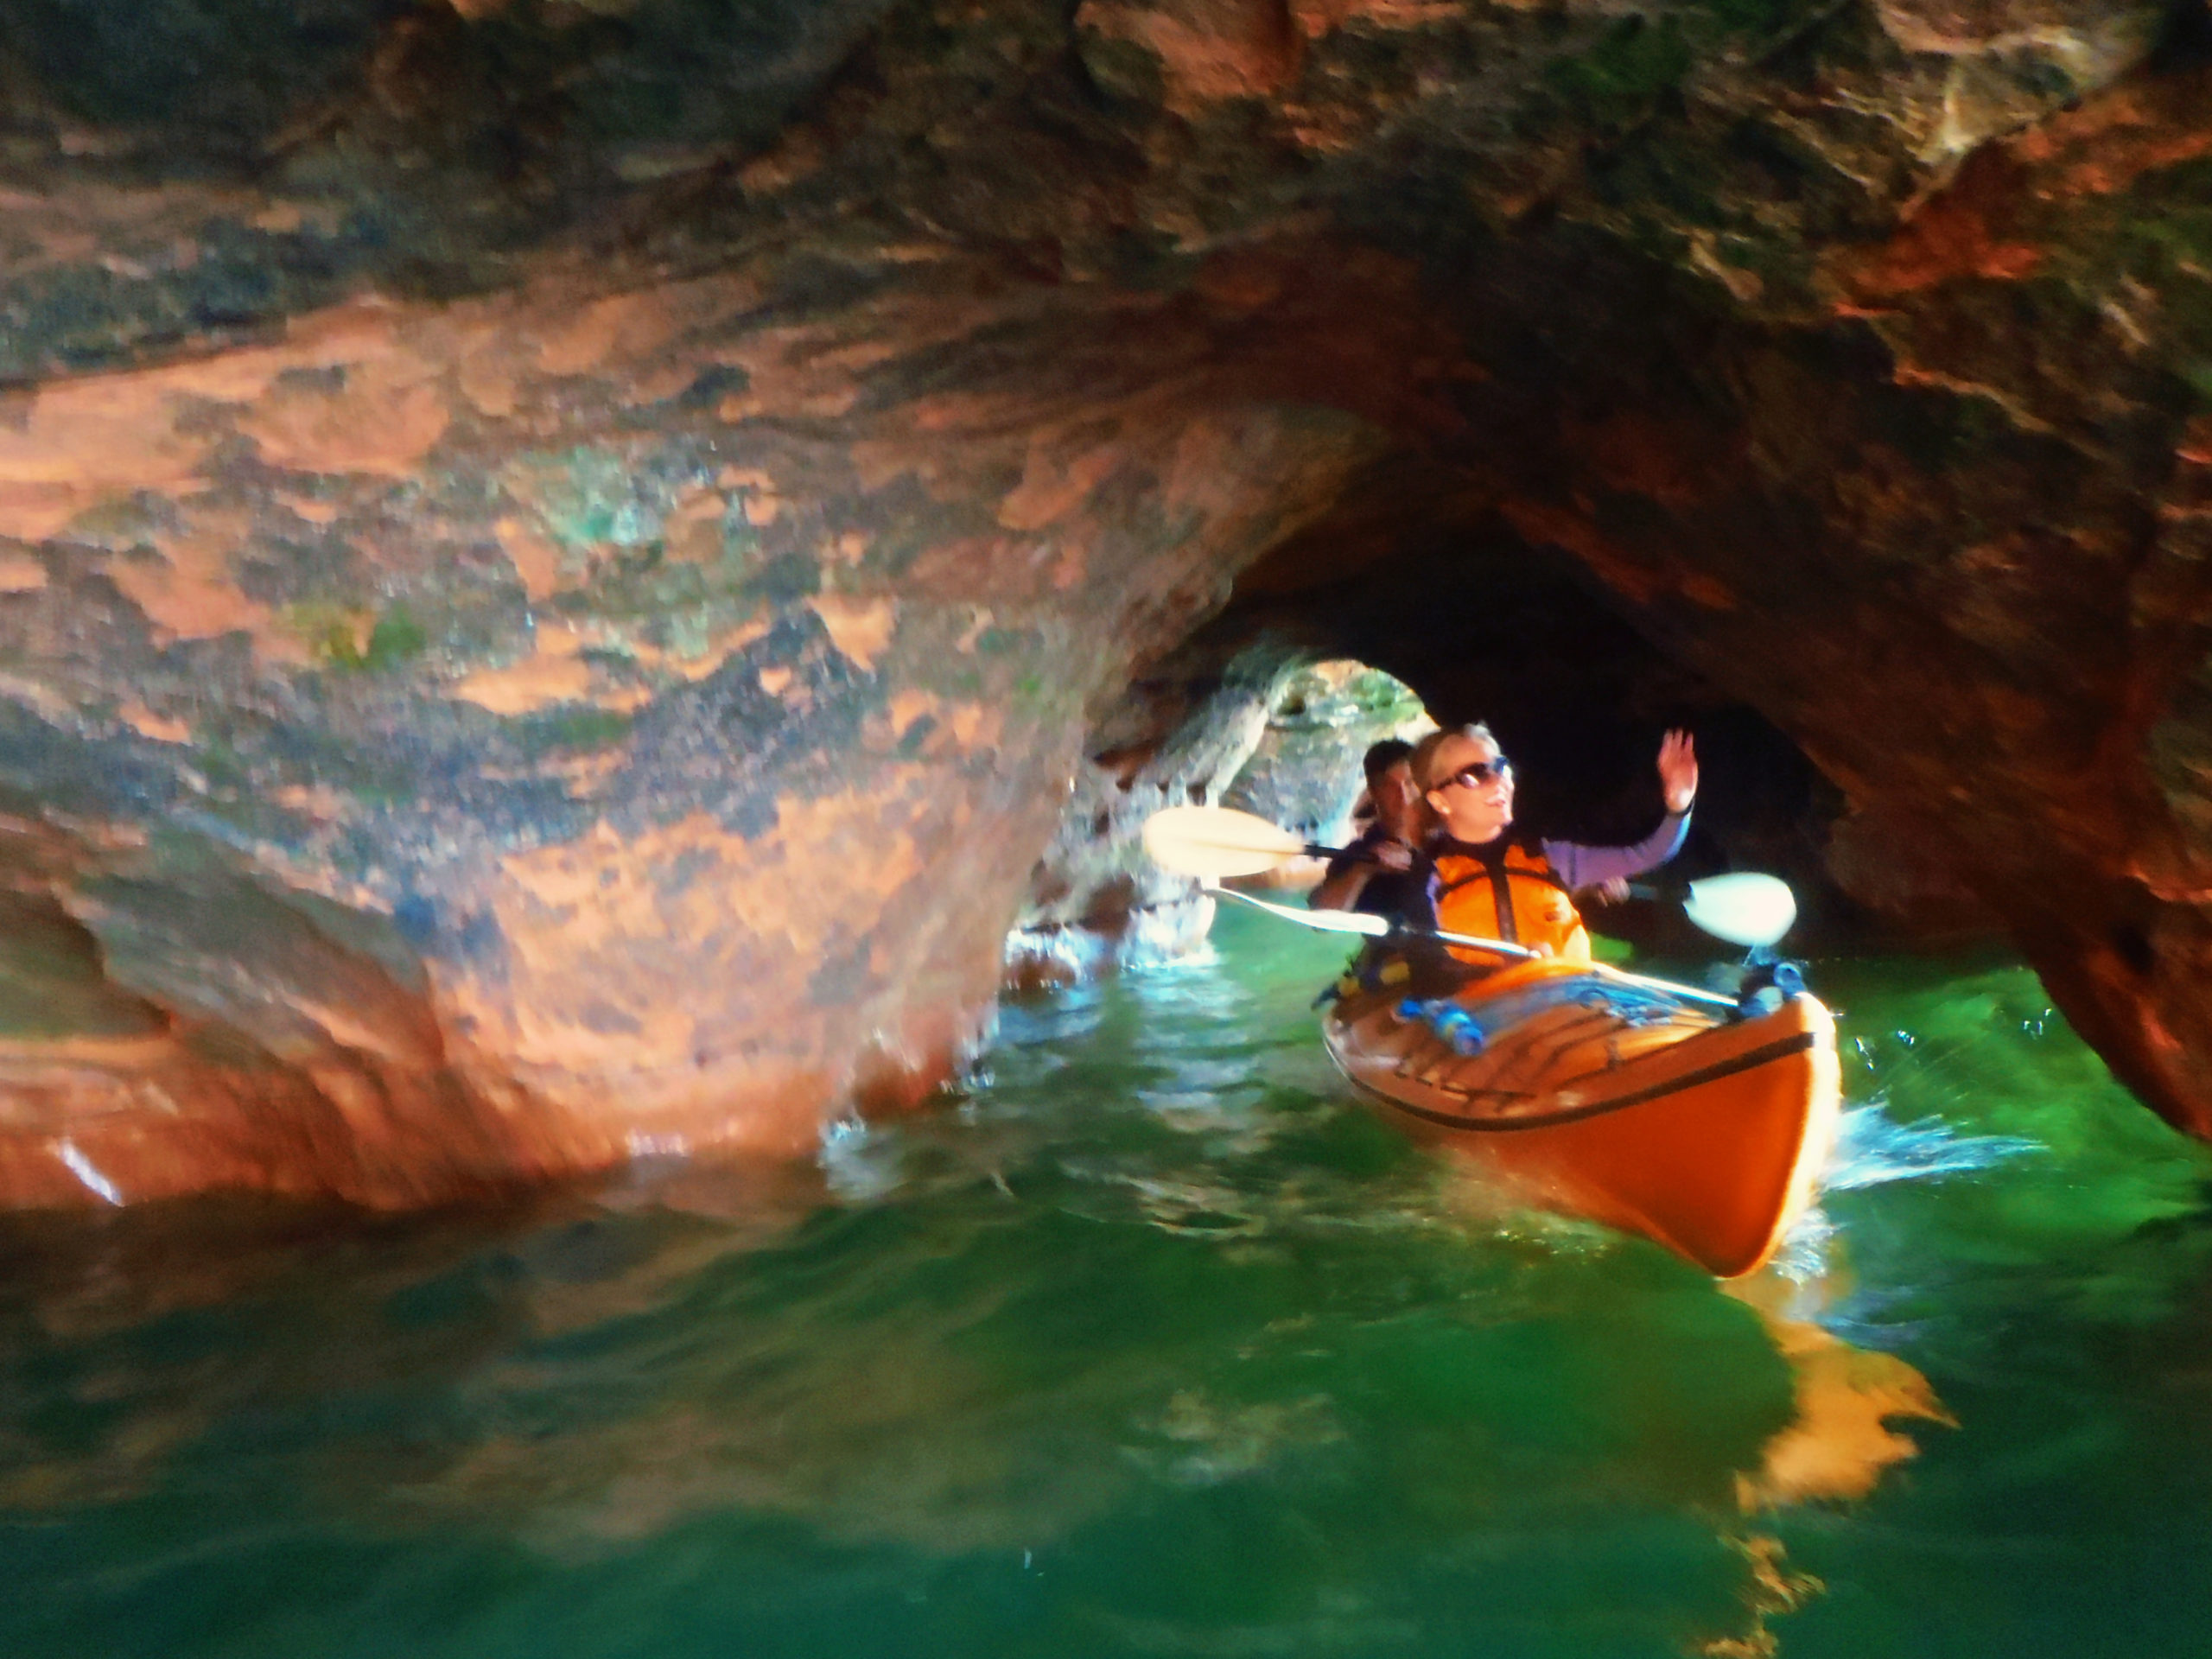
column 1872, row 1148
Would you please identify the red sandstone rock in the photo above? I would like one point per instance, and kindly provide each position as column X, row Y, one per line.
column 544, row 621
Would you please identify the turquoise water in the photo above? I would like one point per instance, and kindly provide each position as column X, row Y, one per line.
column 1155, row 1345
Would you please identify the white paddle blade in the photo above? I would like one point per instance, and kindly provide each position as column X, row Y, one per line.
column 1323, row 921
column 1744, row 909
column 1214, row 842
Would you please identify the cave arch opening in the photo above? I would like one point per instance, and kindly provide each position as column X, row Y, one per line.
column 1415, row 583
column 1305, row 772
column 1481, row 623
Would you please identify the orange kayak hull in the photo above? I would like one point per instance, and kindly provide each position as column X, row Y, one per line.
column 1602, row 1098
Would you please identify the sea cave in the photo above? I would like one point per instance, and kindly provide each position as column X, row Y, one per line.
column 599, row 591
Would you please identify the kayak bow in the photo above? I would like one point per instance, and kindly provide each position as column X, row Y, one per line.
column 1603, row 1095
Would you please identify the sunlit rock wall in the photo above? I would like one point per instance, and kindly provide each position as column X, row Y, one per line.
column 557, row 563
column 676, row 698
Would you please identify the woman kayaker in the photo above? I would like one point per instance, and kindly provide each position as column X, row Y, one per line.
column 1493, row 884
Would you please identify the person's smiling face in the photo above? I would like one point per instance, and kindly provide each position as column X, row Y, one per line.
column 1473, row 792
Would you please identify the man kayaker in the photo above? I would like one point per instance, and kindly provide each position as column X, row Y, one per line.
column 1382, row 872
column 1486, row 881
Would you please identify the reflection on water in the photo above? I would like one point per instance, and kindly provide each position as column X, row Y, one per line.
column 1840, row 1438
column 1153, row 1345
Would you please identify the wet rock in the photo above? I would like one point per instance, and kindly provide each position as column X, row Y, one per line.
column 1179, row 737
column 557, row 563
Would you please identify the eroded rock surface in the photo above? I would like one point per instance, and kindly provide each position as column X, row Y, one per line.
column 559, row 563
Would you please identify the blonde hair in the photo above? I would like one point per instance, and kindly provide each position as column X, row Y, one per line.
column 1422, row 762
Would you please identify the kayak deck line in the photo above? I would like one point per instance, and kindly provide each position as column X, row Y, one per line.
column 1713, row 1073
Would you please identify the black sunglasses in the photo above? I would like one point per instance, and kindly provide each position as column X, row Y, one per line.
column 1480, row 772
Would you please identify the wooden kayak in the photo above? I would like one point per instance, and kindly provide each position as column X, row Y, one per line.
column 1604, row 1095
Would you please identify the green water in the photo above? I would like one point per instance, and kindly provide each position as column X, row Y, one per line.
column 1154, row 1345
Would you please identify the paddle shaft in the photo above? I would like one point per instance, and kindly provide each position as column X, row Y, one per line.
column 1217, row 842
column 1313, row 918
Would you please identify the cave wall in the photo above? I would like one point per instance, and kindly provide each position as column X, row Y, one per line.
column 1971, row 586
column 690, row 777
column 559, row 563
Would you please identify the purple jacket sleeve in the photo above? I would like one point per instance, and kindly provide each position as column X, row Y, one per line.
column 1585, row 867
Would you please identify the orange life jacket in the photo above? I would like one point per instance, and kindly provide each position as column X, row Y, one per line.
column 1514, row 896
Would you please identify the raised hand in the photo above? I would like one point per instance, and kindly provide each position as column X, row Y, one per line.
column 1678, row 770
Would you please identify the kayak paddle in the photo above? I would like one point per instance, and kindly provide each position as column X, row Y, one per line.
column 1381, row 927
column 1746, row 908
column 1216, row 843
column 1368, row 926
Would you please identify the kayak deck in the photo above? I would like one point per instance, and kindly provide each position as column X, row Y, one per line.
column 1605, row 1097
